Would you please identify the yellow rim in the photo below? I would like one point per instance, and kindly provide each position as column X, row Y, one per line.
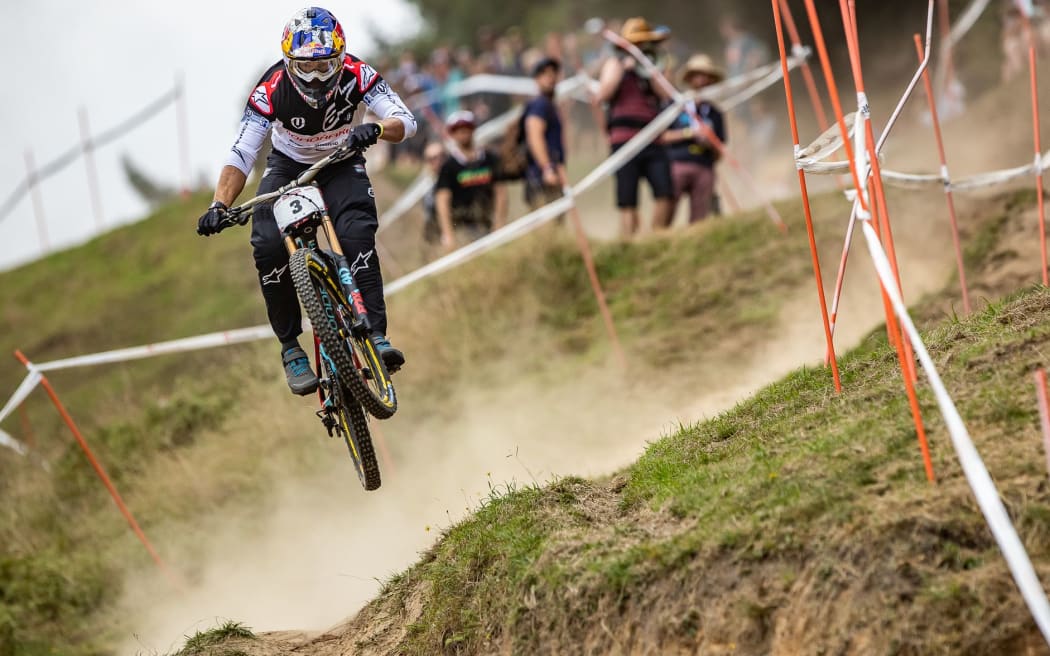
column 349, row 438
column 374, row 363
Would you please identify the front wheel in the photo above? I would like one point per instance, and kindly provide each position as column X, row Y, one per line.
column 358, row 364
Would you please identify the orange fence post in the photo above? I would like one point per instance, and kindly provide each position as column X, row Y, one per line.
column 807, row 211
column 97, row 466
column 807, row 72
column 592, row 273
column 840, row 278
column 849, row 22
column 1033, row 79
column 876, row 207
column 949, row 197
column 1044, row 412
column 1033, row 76
column 849, row 19
column 833, row 93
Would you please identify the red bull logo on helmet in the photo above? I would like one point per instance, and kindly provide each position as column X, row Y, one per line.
column 313, row 33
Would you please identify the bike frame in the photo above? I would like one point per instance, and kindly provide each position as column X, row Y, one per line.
column 242, row 213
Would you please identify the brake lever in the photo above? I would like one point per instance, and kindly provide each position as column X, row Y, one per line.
column 238, row 217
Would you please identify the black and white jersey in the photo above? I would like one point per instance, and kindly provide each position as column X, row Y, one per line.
column 302, row 132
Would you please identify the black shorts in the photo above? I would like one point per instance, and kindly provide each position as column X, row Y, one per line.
column 653, row 164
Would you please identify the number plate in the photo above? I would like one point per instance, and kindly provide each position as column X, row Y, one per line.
column 296, row 205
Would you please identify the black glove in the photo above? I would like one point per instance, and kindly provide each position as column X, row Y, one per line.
column 211, row 222
column 364, row 135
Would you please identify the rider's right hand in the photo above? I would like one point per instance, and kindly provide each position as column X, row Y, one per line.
column 211, row 222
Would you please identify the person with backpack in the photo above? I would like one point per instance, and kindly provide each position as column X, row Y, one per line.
column 542, row 137
column 633, row 101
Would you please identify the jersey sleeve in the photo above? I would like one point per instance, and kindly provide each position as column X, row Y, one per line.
column 263, row 98
column 381, row 99
column 250, row 138
column 259, row 112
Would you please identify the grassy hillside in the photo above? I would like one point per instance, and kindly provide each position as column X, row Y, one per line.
column 182, row 435
column 192, row 440
column 798, row 522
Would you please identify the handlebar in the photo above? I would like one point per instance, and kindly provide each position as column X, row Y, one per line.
column 241, row 214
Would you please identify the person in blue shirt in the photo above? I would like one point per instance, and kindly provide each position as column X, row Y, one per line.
column 544, row 141
column 693, row 158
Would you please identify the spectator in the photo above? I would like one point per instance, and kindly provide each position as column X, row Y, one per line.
column 693, row 158
column 542, row 128
column 433, row 160
column 633, row 102
column 445, row 77
column 469, row 202
column 744, row 53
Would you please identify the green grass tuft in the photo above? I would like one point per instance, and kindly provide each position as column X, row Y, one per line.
column 201, row 641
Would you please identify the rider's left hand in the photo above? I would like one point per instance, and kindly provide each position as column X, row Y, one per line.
column 211, row 222
column 364, row 135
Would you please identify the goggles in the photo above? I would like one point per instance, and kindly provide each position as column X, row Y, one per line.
column 309, row 70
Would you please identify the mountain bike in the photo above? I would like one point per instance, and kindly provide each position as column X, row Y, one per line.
column 353, row 377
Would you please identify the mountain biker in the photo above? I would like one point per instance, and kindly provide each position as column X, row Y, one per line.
column 308, row 100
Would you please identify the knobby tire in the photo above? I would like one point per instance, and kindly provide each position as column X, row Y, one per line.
column 351, row 415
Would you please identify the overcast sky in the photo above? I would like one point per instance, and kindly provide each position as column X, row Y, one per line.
column 113, row 58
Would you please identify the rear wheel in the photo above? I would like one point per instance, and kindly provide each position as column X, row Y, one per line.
column 354, row 426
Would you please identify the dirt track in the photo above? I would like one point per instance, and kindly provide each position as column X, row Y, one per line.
column 323, row 546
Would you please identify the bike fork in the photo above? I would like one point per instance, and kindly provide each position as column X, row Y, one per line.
column 353, row 294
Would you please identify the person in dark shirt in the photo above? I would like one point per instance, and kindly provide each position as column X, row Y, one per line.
column 469, row 202
column 542, row 127
column 633, row 102
column 692, row 157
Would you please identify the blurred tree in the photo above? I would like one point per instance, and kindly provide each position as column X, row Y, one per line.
column 149, row 190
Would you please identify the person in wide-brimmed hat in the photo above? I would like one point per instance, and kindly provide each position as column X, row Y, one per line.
column 693, row 157
column 632, row 103
column 638, row 31
column 702, row 64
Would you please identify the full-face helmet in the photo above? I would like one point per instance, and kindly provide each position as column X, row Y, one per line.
column 313, row 46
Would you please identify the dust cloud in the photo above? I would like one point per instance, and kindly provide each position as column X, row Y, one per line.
column 322, row 550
